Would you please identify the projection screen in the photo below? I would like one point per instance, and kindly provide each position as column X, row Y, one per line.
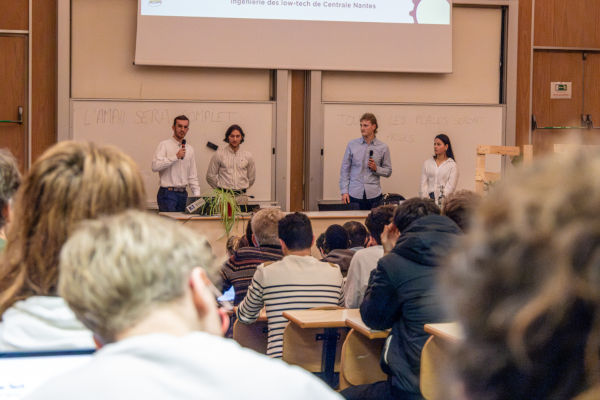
column 363, row 35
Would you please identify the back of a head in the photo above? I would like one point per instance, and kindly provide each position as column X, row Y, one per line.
column 264, row 226
column 412, row 209
column 378, row 218
column 357, row 233
column 524, row 284
column 336, row 238
column 114, row 271
column 459, row 207
column 70, row 182
column 295, row 230
column 10, row 179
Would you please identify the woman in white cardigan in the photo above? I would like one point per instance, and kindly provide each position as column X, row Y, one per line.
column 440, row 172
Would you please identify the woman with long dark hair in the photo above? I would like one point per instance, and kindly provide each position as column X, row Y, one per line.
column 440, row 173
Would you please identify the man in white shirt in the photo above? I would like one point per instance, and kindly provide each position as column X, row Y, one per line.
column 365, row 260
column 175, row 162
column 231, row 167
column 150, row 302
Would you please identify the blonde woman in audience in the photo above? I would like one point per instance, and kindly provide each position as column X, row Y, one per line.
column 10, row 179
column 525, row 283
column 70, row 182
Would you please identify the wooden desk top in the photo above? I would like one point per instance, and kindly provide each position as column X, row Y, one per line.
column 450, row 331
column 357, row 214
column 356, row 323
column 321, row 318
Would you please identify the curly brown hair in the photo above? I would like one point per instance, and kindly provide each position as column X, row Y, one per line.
column 525, row 283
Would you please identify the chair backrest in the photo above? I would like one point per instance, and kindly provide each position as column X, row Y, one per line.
column 433, row 360
column 360, row 360
column 252, row 336
column 301, row 347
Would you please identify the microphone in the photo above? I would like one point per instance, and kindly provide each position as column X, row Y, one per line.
column 183, row 142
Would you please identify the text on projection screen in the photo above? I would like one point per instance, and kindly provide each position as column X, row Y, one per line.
column 414, row 35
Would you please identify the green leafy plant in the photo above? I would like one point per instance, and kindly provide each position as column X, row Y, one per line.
column 223, row 202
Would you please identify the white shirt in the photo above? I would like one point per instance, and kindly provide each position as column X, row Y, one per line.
column 363, row 262
column 434, row 176
column 195, row 366
column 230, row 169
column 173, row 171
column 42, row 323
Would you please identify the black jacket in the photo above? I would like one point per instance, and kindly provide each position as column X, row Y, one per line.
column 401, row 296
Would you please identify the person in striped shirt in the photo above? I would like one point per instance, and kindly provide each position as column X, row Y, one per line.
column 297, row 282
column 239, row 269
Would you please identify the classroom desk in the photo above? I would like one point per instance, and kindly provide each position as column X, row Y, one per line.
column 356, row 323
column 212, row 228
column 329, row 320
column 447, row 331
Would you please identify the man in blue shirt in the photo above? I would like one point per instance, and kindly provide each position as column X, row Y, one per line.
column 365, row 160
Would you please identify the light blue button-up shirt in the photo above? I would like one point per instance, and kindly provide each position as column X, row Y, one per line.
column 356, row 177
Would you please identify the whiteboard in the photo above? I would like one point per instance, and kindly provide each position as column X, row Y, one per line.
column 136, row 127
column 409, row 131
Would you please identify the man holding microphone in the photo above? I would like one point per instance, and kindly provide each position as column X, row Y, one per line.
column 175, row 162
column 365, row 160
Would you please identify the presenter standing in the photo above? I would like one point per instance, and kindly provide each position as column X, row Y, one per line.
column 175, row 163
column 231, row 167
column 440, row 173
column 365, row 160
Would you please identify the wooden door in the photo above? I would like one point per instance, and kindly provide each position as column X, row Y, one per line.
column 13, row 94
column 556, row 66
column 591, row 98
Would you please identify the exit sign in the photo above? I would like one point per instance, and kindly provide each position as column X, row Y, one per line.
column 560, row 90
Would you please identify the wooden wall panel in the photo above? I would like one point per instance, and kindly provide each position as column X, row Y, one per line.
column 44, row 76
column 524, row 73
column 567, row 23
column 14, row 14
column 297, row 141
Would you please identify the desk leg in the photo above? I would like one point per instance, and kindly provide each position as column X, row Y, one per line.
column 328, row 358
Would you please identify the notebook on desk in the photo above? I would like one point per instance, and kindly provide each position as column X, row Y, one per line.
column 23, row 372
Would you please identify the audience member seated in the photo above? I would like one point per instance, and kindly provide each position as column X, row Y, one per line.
column 357, row 234
column 401, row 295
column 151, row 305
column 246, row 240
column 320, row 244
column 233, row 243
column 336, row 245
column 460, row 206
column 10, row 179
column 524, row 286
column 70, row 182
column 298, row 281
column 365, row 260
column 239, row 269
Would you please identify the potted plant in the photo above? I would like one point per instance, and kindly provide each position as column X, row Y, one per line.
column 223, row 202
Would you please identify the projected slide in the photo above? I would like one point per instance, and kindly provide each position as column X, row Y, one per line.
column 382, row 11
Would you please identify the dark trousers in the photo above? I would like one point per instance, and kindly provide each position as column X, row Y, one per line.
column 377, row 391
column 366, row 204
column 171, row 201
